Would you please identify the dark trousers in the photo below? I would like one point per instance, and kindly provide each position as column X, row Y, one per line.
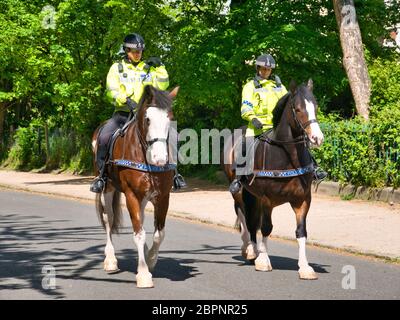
column 118, row 120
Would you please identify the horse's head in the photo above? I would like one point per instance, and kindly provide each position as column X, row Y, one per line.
column 154, row 118
column 304, row 111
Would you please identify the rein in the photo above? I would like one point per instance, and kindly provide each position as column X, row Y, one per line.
column 303, row 126
column 144, row 144
column 147, row 143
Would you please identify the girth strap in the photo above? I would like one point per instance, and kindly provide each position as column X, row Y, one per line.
column 284, row 173
column 143, row 166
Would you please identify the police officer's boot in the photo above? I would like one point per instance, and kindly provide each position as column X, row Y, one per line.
column 319, row 173
column 99, row 182
column 179, row 182
column 235, row 185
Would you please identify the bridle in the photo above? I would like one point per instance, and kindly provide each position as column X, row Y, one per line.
column 303, row 126
column 147, row 143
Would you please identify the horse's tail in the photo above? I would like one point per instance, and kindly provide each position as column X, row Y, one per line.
column 116, row 211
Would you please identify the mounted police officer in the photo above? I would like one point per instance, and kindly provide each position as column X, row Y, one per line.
column 126, row 80
column 260, row 96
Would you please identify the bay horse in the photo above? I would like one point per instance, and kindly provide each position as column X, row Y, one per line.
column 284, row 151
column 139, row 168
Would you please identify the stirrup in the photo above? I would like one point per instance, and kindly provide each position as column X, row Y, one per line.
column 98, row 185
column 235, row 186
column 179, row 182
column 319, row 174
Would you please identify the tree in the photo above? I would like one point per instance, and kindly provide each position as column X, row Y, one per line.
column 353, row 55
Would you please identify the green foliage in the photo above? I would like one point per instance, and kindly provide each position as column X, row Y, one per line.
column 25, row 153
column 360, row 153
column 385, row 75
column 56, row 76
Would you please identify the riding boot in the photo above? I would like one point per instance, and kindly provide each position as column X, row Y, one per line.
column 235, row 185
column 179, row 182
column 99, row 182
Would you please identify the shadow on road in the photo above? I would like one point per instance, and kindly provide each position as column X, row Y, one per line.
column 285, row 263
column 73, row 181
column 28, row 243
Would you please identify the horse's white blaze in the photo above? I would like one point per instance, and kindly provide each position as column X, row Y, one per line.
column 317, row 136
column 158, row 129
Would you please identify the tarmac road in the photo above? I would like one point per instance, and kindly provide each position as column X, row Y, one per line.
column 197, row 261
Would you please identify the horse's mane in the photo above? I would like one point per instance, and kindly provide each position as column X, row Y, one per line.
column 280, row 107
column 162, row 98
column 278, row 110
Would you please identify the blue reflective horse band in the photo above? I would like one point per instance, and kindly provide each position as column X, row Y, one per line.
column 143, row 166
column 284, row 173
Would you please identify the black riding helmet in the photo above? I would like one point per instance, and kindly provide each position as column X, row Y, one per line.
column 134, row 41
column 265, row 60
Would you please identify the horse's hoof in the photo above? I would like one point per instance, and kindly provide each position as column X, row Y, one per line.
column 262, row 263
column 249, row 253
column 111, row 266
column 307, row 273
column 144, row 281
column 263, row 266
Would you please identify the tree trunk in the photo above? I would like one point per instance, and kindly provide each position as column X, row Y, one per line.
column 46, row 136
column 353, row 55
column 2, row 119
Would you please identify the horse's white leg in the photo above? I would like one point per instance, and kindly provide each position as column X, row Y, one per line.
column 153, row 253
column 110, row 262
column 262, row 263
column 249, row 248
column 160, row 213
column 306, row 272
column 136, row 211
column 143, row 276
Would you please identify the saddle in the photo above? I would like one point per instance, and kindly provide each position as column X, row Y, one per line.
column 120, row 132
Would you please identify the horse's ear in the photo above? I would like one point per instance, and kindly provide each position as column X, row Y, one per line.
column 292, row 86
column 173, row 93
column 148, row 91
column 310, row 85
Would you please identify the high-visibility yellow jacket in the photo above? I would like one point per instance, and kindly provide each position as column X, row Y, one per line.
column 259, row 102
column 126, row 80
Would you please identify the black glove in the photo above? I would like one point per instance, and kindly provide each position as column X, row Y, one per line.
column 154, row 62
column 131, row 104
column 256, row 123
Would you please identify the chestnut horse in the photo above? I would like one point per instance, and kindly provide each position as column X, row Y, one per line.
column 284, row 151
column 139, row 168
